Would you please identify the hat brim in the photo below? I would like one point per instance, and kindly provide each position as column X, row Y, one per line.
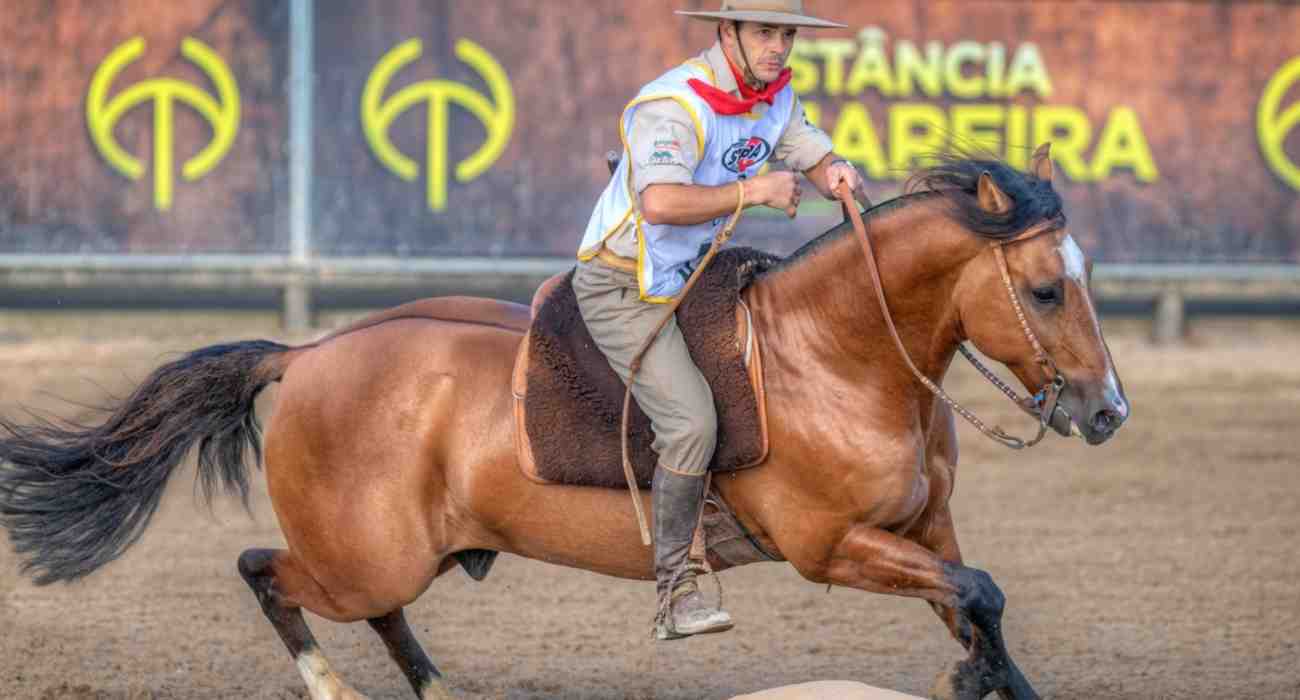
column 783, row 19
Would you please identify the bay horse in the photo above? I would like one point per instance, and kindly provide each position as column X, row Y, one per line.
column 389, row 453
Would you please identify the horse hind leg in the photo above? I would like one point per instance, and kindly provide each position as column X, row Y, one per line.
column 409, row 656
column 282, row 588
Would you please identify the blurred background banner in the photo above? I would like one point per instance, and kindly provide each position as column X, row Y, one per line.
column 196, row 86
column 478, row 128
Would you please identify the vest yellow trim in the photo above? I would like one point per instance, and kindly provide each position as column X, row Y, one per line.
column 704, row 66
column 640, row 235
column 640, row 265
column 695, row 119
column 588, row 254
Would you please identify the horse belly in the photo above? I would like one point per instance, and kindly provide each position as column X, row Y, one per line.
column 582, row 527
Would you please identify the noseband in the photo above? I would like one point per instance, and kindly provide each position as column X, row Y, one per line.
column 1042, row 405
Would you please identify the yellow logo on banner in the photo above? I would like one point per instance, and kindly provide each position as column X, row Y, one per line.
column 1275, row 124
column 222, row 113
column 497, row 116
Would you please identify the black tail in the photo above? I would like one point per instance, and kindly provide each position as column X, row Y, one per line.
column 75, row 497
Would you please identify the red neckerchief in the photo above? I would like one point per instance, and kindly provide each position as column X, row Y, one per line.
column 726, row 104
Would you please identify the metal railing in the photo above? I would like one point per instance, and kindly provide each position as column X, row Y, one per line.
column 297, row 280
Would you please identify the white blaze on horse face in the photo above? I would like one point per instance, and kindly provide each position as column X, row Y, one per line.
column 1115, row 397
column 1075, row 265
column 1076, row 269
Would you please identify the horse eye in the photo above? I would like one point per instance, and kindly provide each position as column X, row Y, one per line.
column 1047, row 295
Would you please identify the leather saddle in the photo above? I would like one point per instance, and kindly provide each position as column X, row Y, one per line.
column 568, row 400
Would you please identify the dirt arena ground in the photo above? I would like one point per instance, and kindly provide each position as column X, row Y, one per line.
column 1163, row 565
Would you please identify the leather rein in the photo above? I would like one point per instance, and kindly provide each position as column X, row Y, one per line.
column 719, row 239
column 1042, row 405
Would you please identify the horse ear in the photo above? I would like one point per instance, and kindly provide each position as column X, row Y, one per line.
column 1040, row 164
column 991, row 197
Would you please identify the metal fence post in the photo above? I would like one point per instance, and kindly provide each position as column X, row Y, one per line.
column 1169, row 321
column 297, row 290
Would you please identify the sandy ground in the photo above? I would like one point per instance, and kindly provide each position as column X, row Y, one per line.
column 1165, row 564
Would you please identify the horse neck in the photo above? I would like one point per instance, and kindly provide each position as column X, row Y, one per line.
column 822, row 306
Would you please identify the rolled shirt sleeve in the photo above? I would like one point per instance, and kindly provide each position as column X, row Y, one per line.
column 663, row 145
column 802, row 145
column 663, row 149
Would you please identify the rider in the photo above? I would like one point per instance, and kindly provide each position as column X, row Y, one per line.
column 694, row 142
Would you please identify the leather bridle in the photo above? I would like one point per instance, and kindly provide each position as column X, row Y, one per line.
column 1043, row 405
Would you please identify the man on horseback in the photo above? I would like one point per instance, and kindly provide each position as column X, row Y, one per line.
column 694, row 140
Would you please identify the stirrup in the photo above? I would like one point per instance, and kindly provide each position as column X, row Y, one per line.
column 665, row 623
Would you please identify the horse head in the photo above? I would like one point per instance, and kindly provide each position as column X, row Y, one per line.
column 1024, row 300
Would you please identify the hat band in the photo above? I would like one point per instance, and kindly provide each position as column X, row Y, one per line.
column 764, row 7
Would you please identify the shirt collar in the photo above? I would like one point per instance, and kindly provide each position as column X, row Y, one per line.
column 722, row 77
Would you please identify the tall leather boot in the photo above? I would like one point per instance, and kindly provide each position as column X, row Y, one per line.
column 682, row 608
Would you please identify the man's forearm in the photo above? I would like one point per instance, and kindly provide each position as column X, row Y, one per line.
column 817, row 175
column 686, row 205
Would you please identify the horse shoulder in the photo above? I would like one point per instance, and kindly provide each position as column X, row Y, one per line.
column 877, row 479
column 915, row 465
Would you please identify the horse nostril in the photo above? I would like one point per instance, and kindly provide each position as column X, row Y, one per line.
column 1105, row 421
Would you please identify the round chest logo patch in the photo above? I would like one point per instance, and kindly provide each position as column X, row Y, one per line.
column 745, row 154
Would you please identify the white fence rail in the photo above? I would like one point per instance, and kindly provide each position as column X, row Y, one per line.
column 299, row 280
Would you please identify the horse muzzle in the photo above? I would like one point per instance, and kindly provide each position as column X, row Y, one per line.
column 1103, row 413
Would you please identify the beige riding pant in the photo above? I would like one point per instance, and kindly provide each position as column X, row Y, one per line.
column 669, row 387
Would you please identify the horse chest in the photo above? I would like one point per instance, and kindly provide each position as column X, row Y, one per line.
column 857, row 447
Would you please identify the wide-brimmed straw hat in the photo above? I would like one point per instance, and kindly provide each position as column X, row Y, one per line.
column 786, row 13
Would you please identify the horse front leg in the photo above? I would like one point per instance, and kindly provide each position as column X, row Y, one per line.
column 937, row 534
column 875, row 560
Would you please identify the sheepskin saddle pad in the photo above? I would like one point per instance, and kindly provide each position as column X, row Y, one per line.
column 569, row 401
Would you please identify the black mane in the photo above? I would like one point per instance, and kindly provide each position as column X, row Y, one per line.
column 955, row 178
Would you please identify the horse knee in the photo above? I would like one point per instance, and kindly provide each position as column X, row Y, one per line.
column 979, row 597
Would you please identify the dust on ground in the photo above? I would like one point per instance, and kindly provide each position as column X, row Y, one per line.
column 1164, row 564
